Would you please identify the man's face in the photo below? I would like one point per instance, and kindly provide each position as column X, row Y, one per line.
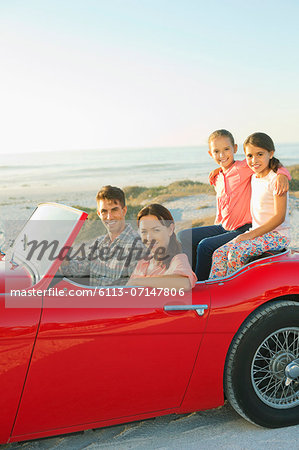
column 112, row 214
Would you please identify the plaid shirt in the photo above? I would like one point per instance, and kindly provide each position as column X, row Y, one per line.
column 110, row 263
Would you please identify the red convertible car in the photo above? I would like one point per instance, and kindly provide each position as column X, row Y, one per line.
column 75, row 357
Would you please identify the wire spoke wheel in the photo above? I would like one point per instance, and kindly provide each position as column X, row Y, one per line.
column 261, row 376
column 268, row 374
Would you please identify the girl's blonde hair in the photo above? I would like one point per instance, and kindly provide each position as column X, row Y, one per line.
column 221, row 133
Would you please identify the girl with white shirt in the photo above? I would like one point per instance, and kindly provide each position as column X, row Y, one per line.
column 270, row 220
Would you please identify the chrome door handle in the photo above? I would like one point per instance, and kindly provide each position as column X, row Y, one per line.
column 200, row 309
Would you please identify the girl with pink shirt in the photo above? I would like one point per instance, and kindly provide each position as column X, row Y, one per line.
column 233, row 190
column 166, row 266
column 269, row 211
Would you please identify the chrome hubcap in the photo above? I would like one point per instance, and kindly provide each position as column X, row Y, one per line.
column 292, row 372
column 275, row 369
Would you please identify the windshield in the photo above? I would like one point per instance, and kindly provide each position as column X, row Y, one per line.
column 45, row 235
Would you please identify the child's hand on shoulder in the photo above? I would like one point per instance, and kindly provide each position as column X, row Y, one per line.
column 213, row 174
column 281, row 184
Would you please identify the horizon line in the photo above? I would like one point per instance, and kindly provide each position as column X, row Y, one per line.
column 123, row 148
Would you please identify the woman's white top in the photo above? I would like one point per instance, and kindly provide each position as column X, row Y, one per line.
column 262, row 202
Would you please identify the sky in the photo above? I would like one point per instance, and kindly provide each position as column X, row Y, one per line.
column 91, row 74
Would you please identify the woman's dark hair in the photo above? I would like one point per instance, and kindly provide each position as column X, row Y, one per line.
column 166, row 219
column 262, row 140
column 221, row 133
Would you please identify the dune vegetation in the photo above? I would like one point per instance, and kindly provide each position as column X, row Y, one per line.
column 139, row 196
column 294, row 183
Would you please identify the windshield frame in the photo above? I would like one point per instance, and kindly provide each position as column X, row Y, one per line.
column 75, row 221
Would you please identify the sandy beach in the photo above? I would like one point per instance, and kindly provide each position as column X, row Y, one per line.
column 206, row 430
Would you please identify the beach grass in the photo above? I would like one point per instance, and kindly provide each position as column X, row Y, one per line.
column 294, row 183
column 139, row 196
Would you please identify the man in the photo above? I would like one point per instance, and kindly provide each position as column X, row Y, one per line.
column 113, row 257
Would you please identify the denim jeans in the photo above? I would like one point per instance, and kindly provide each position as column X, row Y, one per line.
column 200, row 243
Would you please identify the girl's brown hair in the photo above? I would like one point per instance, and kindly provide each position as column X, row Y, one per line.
column 166, row 219
column 262, row 140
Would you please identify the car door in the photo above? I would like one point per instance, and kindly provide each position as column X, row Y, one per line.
column 19, row 319
column 103, row 356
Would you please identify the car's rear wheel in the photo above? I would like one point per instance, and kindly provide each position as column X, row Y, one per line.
column 261, row 378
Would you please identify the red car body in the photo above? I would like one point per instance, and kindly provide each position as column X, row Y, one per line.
column 66, row 366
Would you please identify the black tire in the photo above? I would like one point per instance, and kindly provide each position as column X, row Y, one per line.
column 254, row 375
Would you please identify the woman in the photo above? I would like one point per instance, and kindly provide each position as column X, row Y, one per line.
column 165, row 265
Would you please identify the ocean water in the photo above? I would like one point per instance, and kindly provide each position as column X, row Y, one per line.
column 89, row 169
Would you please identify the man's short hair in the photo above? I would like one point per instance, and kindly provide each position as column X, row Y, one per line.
column 111, row 193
